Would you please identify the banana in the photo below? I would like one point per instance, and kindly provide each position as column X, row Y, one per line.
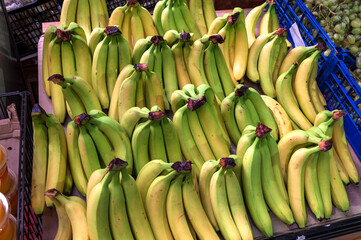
column 264, row 113
column 180, row 21
column 252, row 186
column 297, row 54
column 98, row 13
column 117, row 16
column 140, row 47
column 314, row 92
column 136, row 213
column 266, row 21
column 283, row 121
column 199, row 135
column 236, row 205
column 220, row 206
column 102, row 144
column 117, row 137
column 171, row 141
column 191, row 23
column 154, row 94
column 176, row 215
column 276, row 165
column 289, row 143
column 341, row 147
column 127, row 93
column 338, row 190
column 295, row 180
column 212, row 131
column 140, row 148
column 168, row 70
column 132, row 117
column 194, row 63
column 126, row 26
column 167, row 18
column 49, row 35
column 227, row 33
column 147, row 21
column 136, row 26
column 40, row 161
column 99, row 70
column 196, row 10
column 172, row 37
column 74, row 102
column 157, row 16
column 251, row 22
column 181, row 68
column 285, row 98
column 155, row 203
column 281, row 56
column 96, row 36
column 324, row 180
column 82, row 89
column 272, row 193
column 112, row 68
column 240, row 58
column 54, row 66
column 303, row 75
column 217, row 24
column 195, row 211
column 253, row 56
column 210, row 68
column 83, row 17
column 76, row 168
column 341, row 169
column 228, row 113
column 57, row 155
column 267, row 61
column 148, row 173
column 187, row 144
column 113, row 106
column 83, row 58
column 209, row 12
column 244, row 114
column 95, row 178
column 206, row 173
column 68, row 12
column 64, row 226
column 88, row 152
column 98, row 204
column 156, row 142
column 312, row 187
column 76, row 211
column 118, row 218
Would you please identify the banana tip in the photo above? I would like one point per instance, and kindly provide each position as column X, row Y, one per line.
column 227, row 162
column 194, row 104
column 182, row 166
column 51, row 193
column 262, row 129
column 325, row 145
column 338, row 114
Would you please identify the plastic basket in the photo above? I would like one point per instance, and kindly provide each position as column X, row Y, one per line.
column 113, row 4
column 334, row 78
column 28, row 224
column 26, row 23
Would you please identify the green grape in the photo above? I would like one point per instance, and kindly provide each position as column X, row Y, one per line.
column 356, row 31
column 358, row 64
column 353, row 16
column 353, row 49
column 338, row 28
column 356, row 23
column 351, row 39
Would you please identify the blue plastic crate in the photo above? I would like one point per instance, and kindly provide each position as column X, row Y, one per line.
column 334, row 78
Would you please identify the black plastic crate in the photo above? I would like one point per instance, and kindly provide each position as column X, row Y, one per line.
column 28, row 224
column 26, row 23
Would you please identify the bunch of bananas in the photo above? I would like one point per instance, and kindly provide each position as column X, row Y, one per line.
column 243, row 107
column 221, row 196
column 259, row 171
column 175, row 15
column 134, row 21
column 93, row 140
column 136, row 86
column 71, row 212
column 198, row 121
column 88, row 14
column 158, row 56
column 170, row 195
column 297, row 90
column 110, row 56
column 311, row 168
column 49, row 158
column 266, row 55
column 65, row 52
column 78, row 94
column 114, row 206
column 235, row 48
column 152, row 135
